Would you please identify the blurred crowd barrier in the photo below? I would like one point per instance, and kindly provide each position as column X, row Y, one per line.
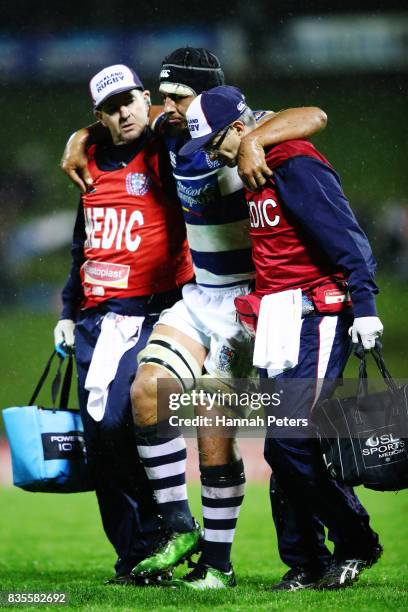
column 322, row 43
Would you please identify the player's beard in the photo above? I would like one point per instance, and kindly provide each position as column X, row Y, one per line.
column 178, row 128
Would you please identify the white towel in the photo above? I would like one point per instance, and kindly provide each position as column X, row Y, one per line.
column 277, row 338
column 118, row 335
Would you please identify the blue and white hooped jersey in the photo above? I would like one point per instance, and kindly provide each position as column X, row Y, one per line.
column 216, row 215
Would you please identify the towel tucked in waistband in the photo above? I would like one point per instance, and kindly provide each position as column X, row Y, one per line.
column 118, row 334
column 277, row 340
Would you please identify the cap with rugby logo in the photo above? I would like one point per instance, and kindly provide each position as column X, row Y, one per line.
column 210, row 112
column 113, row 80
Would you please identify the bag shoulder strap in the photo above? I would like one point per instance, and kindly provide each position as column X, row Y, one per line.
column 376, row 352
column 385, row 373
column 66, row 385
column 42, row 379
column 55, row 385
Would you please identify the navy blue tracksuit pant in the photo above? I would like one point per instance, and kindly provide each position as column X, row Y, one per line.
column 304, row 498
column 128, row 510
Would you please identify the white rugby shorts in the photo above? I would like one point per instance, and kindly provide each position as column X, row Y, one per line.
column 208, row 316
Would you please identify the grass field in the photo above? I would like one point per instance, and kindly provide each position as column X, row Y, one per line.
column 56, row 543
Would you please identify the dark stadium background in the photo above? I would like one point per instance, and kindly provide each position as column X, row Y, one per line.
column 349, row 58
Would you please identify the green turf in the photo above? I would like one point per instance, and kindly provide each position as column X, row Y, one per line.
column 56, row 543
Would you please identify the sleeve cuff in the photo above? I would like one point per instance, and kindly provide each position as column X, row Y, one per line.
column 69, row 311
column 364, row 306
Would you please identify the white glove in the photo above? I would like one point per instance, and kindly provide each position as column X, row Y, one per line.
column 368, row 329
column 64, row 335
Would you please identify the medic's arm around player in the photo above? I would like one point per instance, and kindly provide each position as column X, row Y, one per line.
column 285, row 125
column 74, row 160
column 288, row 124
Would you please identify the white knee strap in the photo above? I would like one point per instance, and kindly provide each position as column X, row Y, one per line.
column 164, row 352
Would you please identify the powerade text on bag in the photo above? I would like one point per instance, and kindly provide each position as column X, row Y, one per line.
column 364, row 439
column 47, row 445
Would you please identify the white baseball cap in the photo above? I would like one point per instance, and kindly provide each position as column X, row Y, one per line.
column 113, row 80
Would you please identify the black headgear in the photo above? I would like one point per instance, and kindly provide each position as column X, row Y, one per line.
column 190, row 71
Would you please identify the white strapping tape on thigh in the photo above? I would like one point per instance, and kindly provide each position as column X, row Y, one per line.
column 164, row 352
